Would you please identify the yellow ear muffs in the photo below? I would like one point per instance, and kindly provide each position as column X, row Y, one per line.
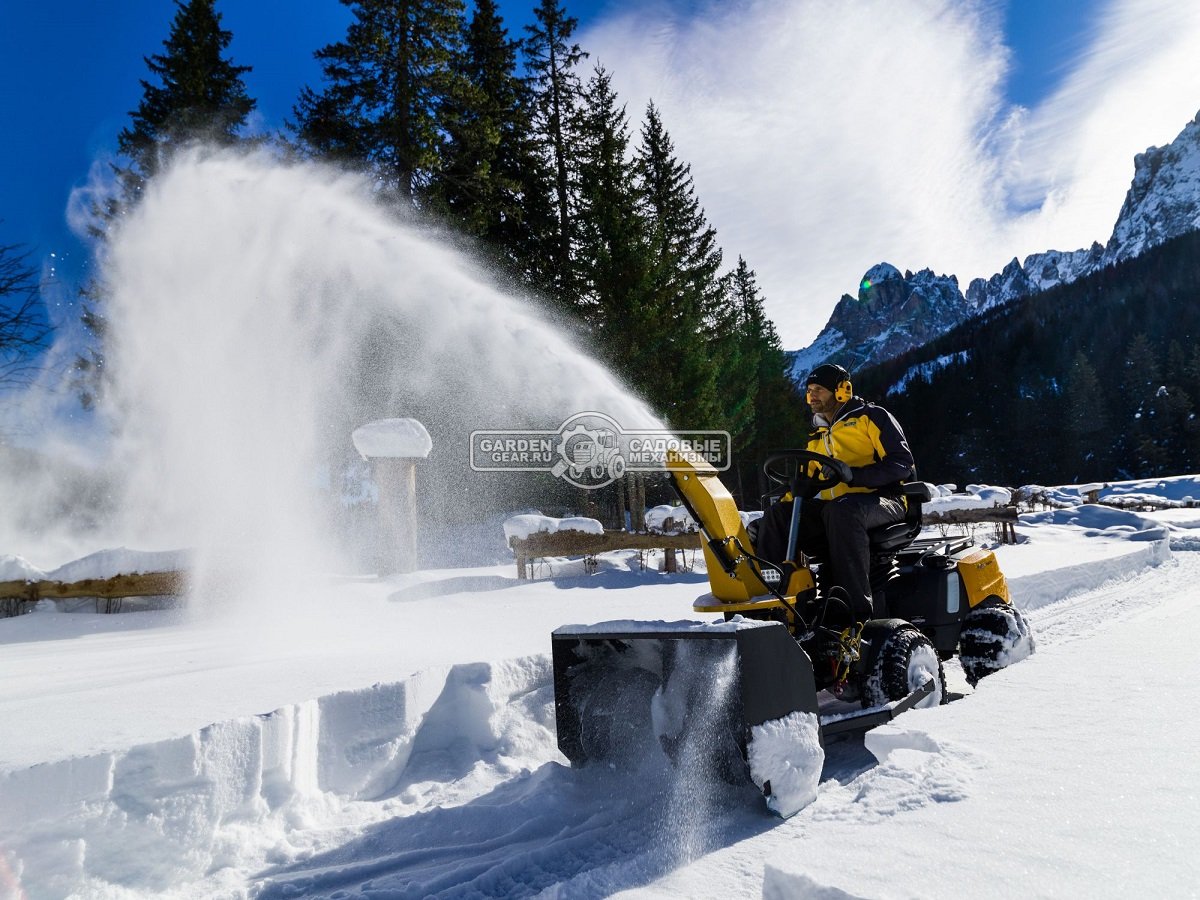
column 845, row 390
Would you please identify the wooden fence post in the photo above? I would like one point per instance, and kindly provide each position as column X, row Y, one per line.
column 393, row 446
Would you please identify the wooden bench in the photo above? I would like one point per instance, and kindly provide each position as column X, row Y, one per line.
column 582, row 543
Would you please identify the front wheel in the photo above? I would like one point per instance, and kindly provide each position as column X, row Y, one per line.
column 906, row 661
column 993, row 638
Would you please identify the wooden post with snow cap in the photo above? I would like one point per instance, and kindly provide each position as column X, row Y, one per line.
column 393, row 446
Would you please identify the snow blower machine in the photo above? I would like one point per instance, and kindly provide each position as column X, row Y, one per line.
column 786, row 666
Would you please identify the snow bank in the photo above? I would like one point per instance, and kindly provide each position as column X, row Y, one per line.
column 1180, row 488
column 17, row 568
column 522, row 526
column 784, row 884
column 1115, row 542
column 581, row 523
column 1065, row 496
column 393, row 438
column 164, row 814
column 122, row 561
column 1096, row 520
column 99, row 565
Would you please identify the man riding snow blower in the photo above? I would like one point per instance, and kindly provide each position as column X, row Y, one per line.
column 871, row 457
column 762, row 687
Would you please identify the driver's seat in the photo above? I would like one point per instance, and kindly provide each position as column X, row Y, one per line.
column 891, row 539
column 888, row 541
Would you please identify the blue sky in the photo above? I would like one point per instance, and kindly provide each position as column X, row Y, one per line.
column 70, row 75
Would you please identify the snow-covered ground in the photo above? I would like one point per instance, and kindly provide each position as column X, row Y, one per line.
column 395, row 737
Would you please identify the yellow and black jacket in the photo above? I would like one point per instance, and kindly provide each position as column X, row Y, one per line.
column 868, row 439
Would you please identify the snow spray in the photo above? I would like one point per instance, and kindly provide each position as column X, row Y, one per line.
column 704, row 678
column 262, row 311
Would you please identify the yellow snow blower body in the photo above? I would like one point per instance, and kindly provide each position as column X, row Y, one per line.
column 738, row 584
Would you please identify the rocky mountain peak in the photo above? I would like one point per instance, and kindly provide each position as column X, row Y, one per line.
column 1164, row 199
column 911, row 308
column 894, row 313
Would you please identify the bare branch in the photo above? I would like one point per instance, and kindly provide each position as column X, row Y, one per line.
column 24, row 329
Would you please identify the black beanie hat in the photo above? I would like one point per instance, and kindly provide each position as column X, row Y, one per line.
column 828, row 376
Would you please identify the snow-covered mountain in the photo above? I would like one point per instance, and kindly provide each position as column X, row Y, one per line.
column 895, row 313
column 1039, row 272
column 892, row 313
column 1164, row 200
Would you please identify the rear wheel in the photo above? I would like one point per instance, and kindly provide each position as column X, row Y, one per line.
column 906, row 661
column 993, row 638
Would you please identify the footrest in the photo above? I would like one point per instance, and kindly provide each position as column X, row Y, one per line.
column 866, row 719
column 710, row 604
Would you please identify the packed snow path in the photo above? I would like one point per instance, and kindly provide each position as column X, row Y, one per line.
column 950, row 783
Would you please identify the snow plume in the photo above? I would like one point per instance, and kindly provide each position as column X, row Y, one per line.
column 260, row 313
column 51, row 489
column 692, row 714
column 827, row 135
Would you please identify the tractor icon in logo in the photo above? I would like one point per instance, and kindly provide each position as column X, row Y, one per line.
column 591, row 452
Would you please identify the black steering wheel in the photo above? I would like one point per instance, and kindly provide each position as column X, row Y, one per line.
column 796, row 478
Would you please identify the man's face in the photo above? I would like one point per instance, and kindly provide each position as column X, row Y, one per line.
column 821, row 400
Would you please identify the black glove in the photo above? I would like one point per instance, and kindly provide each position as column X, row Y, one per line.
column 836, row 469
column 804, row 487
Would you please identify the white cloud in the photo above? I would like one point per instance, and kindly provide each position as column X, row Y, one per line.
column 828, row 135
column 1135, row 86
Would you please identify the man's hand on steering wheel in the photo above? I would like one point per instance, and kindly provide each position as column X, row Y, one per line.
column 827, row 472
column 836, row 470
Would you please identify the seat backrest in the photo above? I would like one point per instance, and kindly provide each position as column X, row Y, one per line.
column 895, row 537
column 920, row 491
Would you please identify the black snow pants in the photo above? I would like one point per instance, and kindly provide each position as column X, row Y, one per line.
column 834, row 531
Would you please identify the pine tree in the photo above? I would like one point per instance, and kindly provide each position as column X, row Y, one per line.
column 1141, row 454
column 387, row 85
column 199, row 96
column 773, row 415
column 774, row 423
column 612, row 261
column 493, row 181
column 695, row 330
column 89, row 378
column 552, row 61
column 196, row 95
column 1183, row 427
column 1086, row 423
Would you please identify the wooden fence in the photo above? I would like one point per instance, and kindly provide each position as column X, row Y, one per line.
column 1003, row 517
column 15, row 594
column 581, row 543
